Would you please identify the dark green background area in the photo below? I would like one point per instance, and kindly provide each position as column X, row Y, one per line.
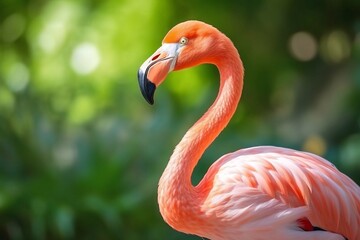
column 81, row 151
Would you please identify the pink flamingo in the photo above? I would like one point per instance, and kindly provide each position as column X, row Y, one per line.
column 255, row 193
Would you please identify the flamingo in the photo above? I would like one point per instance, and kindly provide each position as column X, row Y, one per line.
column 254, row 193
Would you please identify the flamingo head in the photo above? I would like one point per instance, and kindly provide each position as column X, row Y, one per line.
column 187, row 44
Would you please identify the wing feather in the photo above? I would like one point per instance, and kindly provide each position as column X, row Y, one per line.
column 286, row 180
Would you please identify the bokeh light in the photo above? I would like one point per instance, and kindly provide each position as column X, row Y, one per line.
column 17, row 77
column 335, row 46
column 12, row 27
column 315, row 144
column 55, row 25
column 303, row 46
column 85, row 58
column 350, row 153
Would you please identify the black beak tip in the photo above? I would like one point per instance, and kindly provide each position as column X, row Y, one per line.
column 147, row 88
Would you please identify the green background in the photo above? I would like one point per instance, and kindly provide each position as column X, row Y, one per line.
column 81, row 151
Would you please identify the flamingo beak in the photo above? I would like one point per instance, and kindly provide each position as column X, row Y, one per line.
column 155, row 69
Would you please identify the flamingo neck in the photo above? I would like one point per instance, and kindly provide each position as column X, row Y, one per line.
column 177, row 196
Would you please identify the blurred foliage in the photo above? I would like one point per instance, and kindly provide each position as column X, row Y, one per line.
column 80, row 150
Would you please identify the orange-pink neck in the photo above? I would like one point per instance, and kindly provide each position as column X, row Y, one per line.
column 176, row 195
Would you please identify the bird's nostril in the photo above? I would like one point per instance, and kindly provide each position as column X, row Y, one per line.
column 155, row 57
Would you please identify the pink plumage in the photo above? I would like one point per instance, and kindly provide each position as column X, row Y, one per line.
column 254, row 193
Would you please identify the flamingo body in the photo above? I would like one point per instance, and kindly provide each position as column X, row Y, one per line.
column 254, row 193
column 266, row 190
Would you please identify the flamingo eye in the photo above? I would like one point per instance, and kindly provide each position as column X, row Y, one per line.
column 183, row 41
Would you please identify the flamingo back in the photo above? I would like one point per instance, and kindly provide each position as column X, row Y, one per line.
column 263, row 186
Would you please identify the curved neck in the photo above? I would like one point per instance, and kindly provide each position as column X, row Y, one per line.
column 175, row 185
